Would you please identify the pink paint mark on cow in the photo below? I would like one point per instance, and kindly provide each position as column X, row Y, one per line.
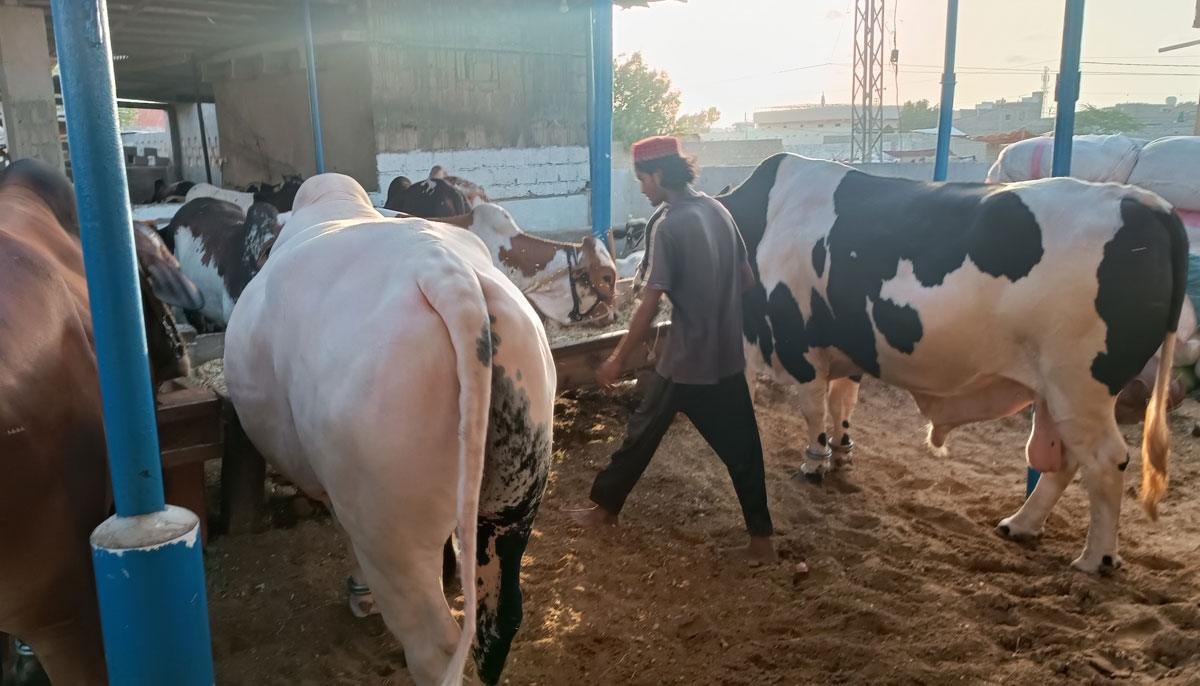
column 1044, row 450
column 1035, row 167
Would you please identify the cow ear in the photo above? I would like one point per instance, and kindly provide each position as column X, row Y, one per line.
column 162, row 270
column 170, row 285
column 266, row 252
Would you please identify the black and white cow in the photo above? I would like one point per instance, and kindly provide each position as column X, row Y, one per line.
column 221, row 248
column 977, row 299
column 430, row 199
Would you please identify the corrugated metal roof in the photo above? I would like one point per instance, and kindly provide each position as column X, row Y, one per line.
column 156, row 42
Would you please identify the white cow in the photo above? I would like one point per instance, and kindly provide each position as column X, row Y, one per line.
column 977, row 299
column 387, row 368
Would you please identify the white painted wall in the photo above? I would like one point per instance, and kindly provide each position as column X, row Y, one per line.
column 161, row 140
column 192, row 154
column 545, row 189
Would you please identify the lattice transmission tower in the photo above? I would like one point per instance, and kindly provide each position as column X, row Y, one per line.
column 866, row 91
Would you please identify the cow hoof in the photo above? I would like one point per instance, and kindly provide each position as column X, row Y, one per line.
column 362, row 602
column 816, row 478
column 1006, row 531
column 1105, row 564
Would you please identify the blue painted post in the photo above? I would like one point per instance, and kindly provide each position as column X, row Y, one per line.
column 1066, row 95
column 1067, row 92
column 946, row 117
column 314, row 104
column 148, row 563
column 600, row 137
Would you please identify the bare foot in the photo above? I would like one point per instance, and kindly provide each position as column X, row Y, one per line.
column 758, row 552
column 592, row 518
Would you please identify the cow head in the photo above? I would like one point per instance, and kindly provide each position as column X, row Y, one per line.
column 567, row 283
column 595, row 277
column 161, row 280
column 163, row 285
column 262, row 228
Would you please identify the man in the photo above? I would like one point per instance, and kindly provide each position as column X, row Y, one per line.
column 698, row 259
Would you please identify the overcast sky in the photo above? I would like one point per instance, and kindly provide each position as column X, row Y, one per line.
column 742, row 55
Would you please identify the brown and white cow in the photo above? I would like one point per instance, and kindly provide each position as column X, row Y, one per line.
column 568, row 283
column 220, row 249
column 56, row 490
column 977, row 299
column 387, row 368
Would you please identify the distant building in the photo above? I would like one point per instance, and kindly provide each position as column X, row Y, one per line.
column 1165, row 119
column 1002, row 116
column 811, row 124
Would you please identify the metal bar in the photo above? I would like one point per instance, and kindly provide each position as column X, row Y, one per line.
column 148, row 567
column 600, row 140
column 200, row 116
column 176, row 142
column 106, row 228
column 1066, row 95
column 1068, row 87
column 1177, row 46
column 946, row 116
column 314, row 104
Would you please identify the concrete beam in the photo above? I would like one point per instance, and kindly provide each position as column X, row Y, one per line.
column 26, row 88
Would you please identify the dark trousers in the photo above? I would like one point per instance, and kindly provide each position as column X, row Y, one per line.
column 723, row 414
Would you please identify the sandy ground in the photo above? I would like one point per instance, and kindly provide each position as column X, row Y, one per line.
column 906, row 583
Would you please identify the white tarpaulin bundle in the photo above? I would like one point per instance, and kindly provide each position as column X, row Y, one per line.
column 1170, row 167
column 1093, row 158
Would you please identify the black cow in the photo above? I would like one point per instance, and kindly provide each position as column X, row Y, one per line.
column 431, row 198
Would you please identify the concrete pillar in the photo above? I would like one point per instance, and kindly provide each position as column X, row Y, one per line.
column 26, row 87
column 190, row 150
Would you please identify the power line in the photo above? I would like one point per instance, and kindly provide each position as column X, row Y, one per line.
column 1135, row 64
column 991, row 71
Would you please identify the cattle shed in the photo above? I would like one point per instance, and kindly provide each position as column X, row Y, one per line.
column 494, row 90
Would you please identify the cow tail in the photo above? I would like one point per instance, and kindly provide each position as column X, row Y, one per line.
column 1156, row 436
column 464, row 311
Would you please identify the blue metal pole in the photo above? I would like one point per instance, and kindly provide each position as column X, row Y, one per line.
column 946, row 117
column 148, row 565
column 1067, row 94
column 600, row 138
column 314, row 104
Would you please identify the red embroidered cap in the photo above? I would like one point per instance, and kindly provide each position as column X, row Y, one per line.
column 655, row 147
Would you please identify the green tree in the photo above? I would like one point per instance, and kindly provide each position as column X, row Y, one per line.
column 645, row 104
column 1092, row 119
column 918, row 115
column 126, row 116
column 700, row 122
